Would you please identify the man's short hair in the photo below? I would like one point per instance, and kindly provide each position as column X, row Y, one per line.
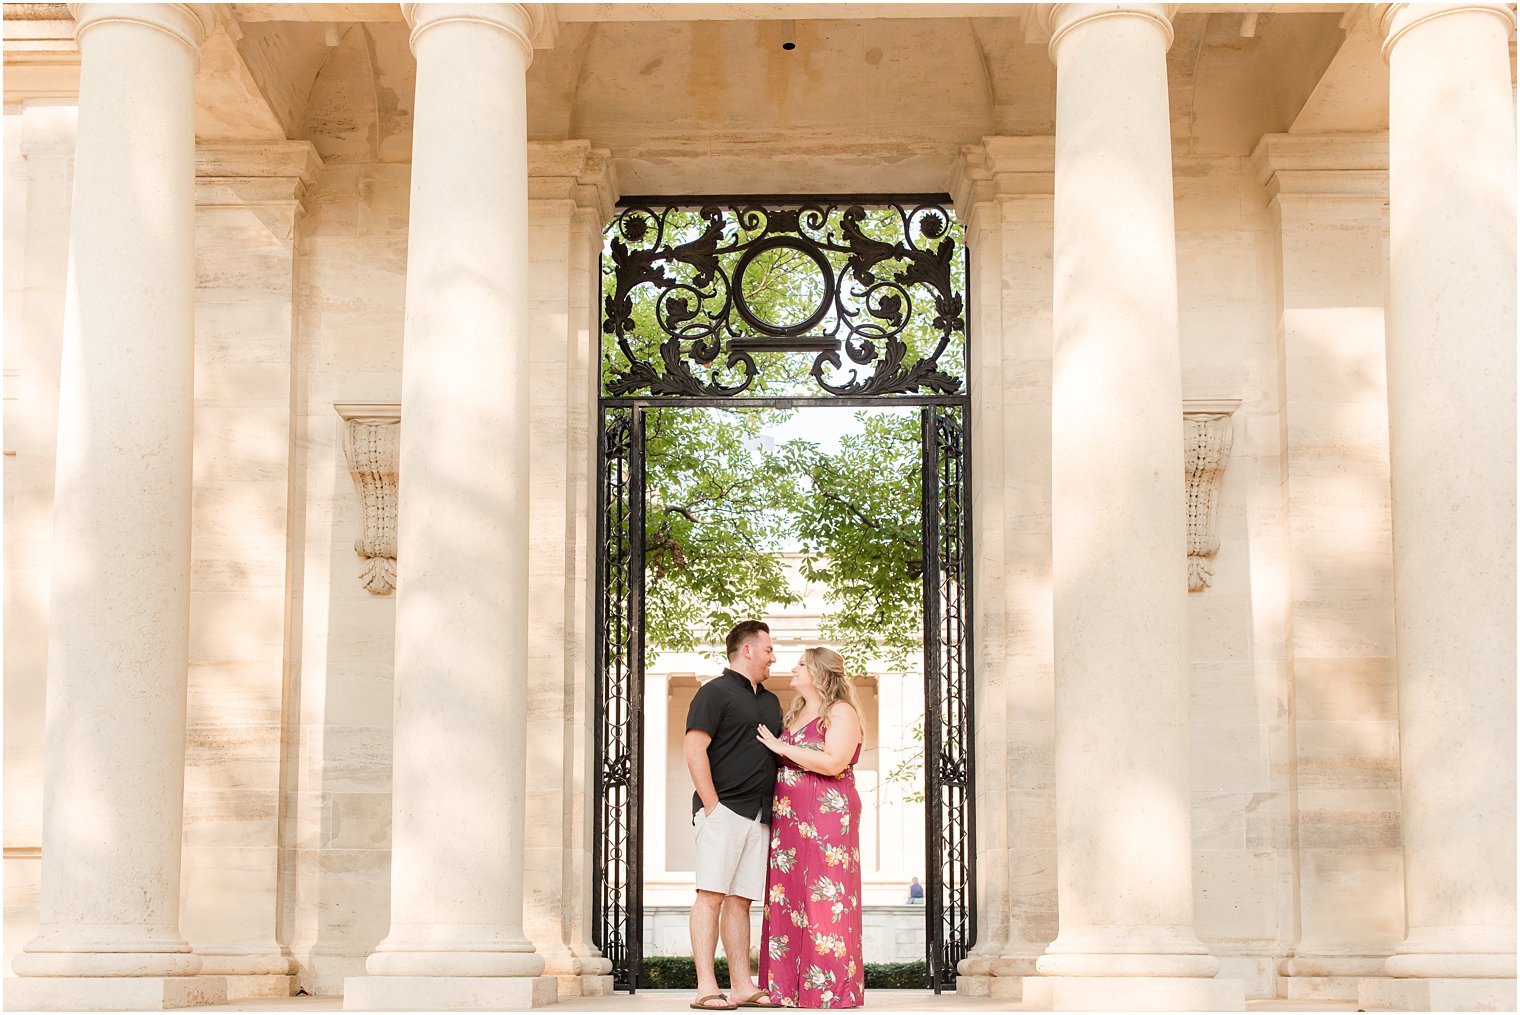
column 743, row 631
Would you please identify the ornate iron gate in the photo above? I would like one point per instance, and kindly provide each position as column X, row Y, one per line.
column 617, row 899
column 877, row 318
column 949, row 791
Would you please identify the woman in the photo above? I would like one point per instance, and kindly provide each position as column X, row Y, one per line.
column 811, row 957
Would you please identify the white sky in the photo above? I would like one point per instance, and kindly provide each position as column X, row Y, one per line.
column 823, row 426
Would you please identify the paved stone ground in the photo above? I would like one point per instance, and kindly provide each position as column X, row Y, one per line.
column 676, row 1001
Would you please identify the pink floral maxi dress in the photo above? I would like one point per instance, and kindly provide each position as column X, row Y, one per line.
column 811, row 956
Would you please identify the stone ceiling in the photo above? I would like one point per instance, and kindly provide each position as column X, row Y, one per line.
column 661, row 82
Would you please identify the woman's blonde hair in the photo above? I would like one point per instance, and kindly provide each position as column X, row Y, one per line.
column 827, row 669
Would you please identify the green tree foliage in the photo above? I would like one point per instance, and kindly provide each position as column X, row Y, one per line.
column 722, row 508
column 861, row 532
column 714, row 528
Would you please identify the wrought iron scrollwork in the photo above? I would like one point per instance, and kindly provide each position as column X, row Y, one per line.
column 617, row 903
column 947, row 692
column 876, row 295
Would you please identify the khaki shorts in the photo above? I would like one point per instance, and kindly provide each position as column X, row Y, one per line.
column 731, row 853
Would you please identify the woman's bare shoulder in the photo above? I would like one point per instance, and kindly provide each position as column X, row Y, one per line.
column 843, row 711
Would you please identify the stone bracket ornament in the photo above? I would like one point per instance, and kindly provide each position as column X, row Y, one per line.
column 1210, row 435
column 371, row 446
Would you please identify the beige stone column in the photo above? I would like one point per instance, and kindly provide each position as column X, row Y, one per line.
column 119, row 627
column 1003, row 189
column 1119, row 553
column 1451, row 407
column 456, row 938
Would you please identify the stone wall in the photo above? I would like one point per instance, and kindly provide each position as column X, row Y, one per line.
column 1239, row 694
column 248, row 210
column 1328, row 204
column 300, row 321
column 351, row 272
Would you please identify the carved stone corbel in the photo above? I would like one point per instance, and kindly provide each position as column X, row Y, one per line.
column 371, row 445
column 1209, row 438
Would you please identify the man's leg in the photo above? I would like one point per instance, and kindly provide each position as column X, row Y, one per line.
column 736, row 946
column 749, row 884
column 704, row 940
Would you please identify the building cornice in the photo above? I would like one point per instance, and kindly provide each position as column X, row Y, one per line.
column 368, row 412
column 572, row 171
column 41, row 55
column 1323, row 165
column 296, row 159
column 247, row 173
column 1002, row 167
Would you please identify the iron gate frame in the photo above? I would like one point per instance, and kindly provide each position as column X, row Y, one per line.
column 949, row 761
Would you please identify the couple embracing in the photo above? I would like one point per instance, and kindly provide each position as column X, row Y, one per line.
column 777, row 818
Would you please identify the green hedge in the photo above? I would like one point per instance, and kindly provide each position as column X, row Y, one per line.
column 678, row 972
column 897, row 975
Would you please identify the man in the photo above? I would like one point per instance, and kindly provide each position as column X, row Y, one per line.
column 735, row 779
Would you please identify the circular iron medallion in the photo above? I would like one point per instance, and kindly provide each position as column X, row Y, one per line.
column 824, row 286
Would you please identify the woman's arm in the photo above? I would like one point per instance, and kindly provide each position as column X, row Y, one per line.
column 839, row 743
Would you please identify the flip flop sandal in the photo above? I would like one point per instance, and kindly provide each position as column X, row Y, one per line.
column 700, row 1004
column 753, row 1003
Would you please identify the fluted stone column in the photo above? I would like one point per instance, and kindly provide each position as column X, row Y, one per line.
column 456, row 937
column 1119, row 553
column 1451, row 407
column 114, row 768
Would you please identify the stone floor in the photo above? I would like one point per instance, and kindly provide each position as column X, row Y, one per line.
column 676, row 1000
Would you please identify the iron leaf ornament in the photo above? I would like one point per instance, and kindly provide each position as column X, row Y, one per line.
column 694, row 296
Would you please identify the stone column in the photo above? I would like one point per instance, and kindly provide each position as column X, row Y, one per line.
column 1118, row 540
column 119, row 628
column 1003, row 193
column 456, row 938
column 1451, row 399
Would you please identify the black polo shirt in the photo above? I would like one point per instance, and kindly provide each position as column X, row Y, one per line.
column 728, row 709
